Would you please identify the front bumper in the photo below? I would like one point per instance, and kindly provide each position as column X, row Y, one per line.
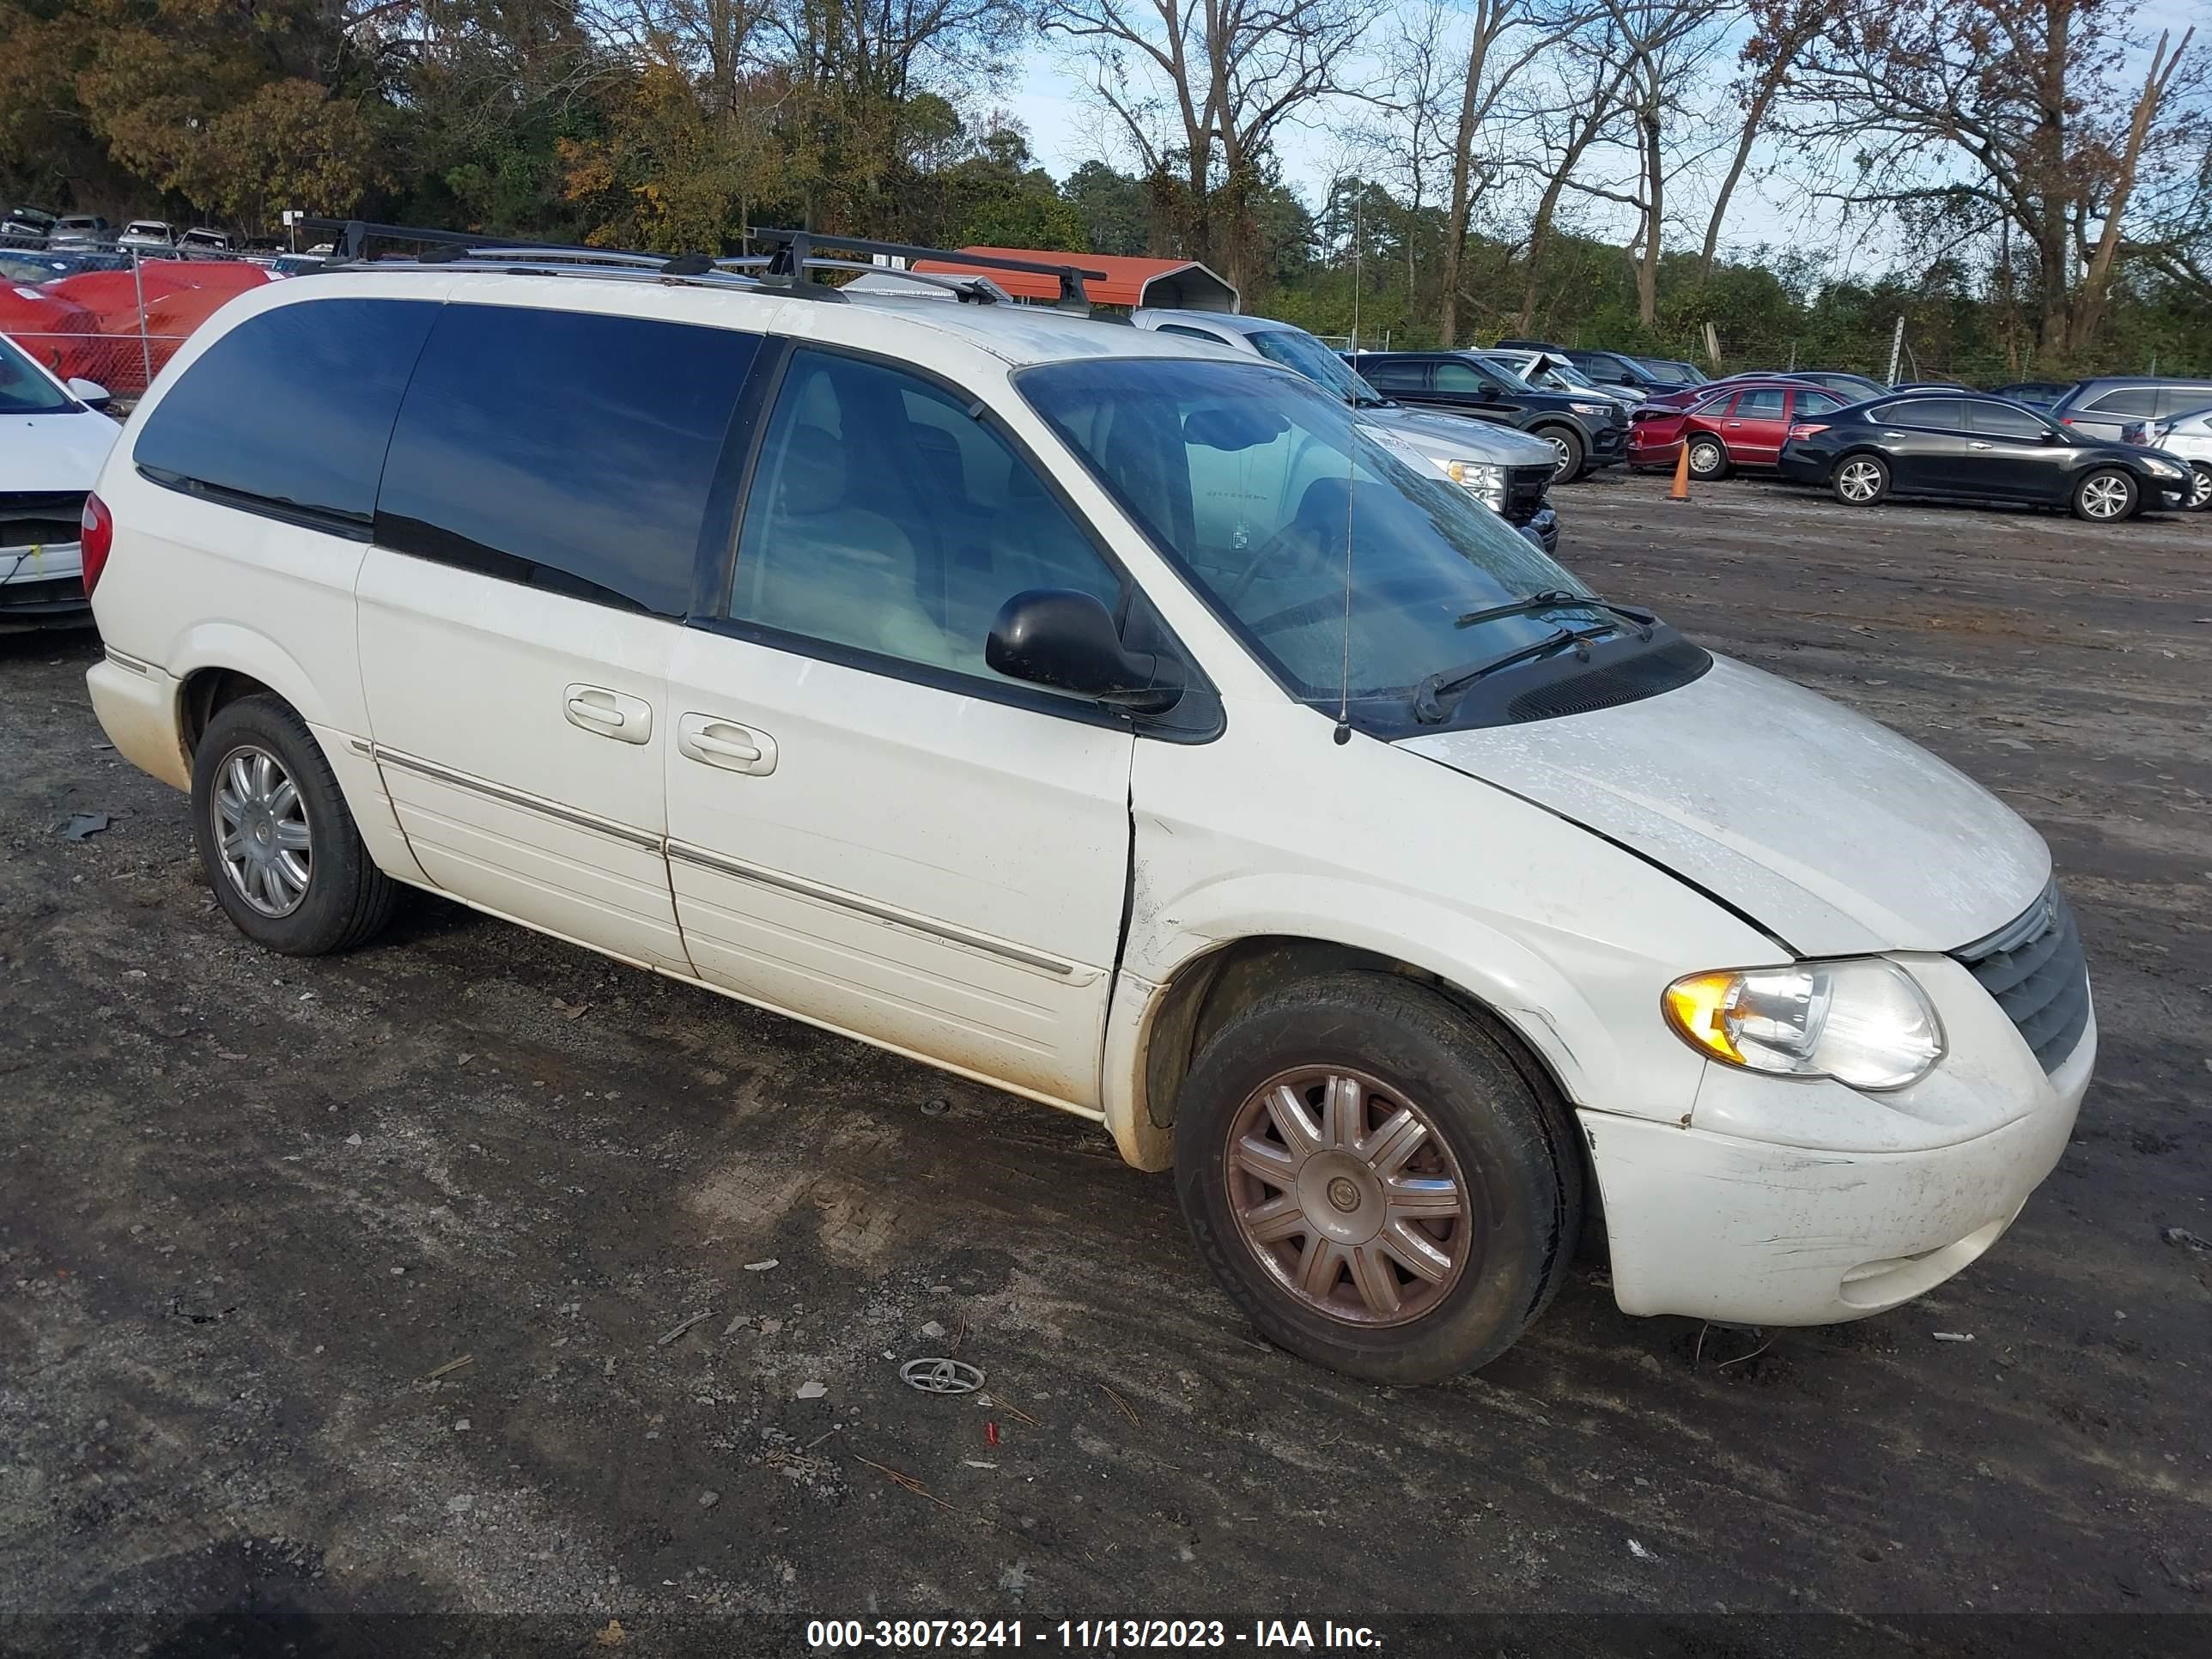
column 1715, row 1222
column 45, row 589
column 1542, row 527
column 1608, row 446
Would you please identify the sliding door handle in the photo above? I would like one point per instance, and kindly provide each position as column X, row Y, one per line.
column 713, row 741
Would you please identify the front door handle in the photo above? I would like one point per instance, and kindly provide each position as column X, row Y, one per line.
column 607, row 714
column 713, row 741
column 1736, row 422
column 1978, row 446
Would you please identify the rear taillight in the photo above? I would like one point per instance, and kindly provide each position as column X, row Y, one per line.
column 96, row 535
column 1806, row 428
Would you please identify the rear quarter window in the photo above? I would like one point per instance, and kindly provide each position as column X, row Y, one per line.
column 564, row 449
column 289, row 412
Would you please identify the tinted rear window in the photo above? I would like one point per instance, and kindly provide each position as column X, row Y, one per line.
column 2004, row 421
column 563, row 449
column 292, row 409
column 1944, row 414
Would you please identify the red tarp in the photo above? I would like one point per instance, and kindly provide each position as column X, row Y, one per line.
column 88, row 325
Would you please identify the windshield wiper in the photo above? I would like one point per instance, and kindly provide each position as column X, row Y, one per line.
column 1556, row 598
column 1428, row 710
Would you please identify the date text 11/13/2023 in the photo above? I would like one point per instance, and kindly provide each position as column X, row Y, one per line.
column 1087, row 1635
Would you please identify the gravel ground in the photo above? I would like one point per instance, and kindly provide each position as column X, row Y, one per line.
column 335, row 1291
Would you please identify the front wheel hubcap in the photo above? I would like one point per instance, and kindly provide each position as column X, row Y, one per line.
column 2105, row 497
column 1348, row 1196
column 261, row 834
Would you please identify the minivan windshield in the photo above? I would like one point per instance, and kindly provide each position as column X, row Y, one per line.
column 1249, row 480
column 24, row 391
column 1295, row 349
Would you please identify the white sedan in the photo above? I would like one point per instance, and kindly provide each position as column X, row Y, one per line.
column 53, row 439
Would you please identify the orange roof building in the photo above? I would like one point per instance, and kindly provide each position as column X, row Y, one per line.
column 1182, row 284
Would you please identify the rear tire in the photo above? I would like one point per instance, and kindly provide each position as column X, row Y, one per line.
column 1567, row 447
column 2105, row 496
column 1860, row 480
column 1709, row 458
column 2200, row 486
column 1336, row 1235
column 276, row 838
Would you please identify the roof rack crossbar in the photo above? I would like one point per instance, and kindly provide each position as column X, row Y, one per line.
column 796, row 252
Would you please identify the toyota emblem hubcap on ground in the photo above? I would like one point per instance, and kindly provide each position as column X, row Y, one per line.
column 1343, row 1189
column 261, row 834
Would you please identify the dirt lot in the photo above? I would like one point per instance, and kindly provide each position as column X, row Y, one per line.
column 252, row 1211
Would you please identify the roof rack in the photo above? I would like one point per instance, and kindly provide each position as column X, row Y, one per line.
column 795, row 253
column 785, row 268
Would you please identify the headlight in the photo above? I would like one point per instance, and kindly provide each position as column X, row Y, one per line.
column 2159, row 467
column 1864, row 1022
column 1486, row 478
column 1595, row 408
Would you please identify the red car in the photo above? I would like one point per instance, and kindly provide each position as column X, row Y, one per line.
column 1732, row 424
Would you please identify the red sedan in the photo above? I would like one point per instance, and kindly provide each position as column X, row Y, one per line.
column 1739, row 424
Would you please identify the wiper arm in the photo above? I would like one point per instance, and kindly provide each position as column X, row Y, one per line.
column 1555, row 598
column 1428, row 710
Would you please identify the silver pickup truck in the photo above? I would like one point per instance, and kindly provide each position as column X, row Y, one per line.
column 1508, row 472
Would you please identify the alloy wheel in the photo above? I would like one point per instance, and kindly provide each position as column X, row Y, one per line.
column 2105, row 497
column 1347, row 1194
column 261, row 833
column 2200, row 486
column 1563, row 457
column 1859, row 481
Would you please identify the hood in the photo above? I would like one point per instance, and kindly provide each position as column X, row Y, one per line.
column 1834, row 833
column 1459, row 437
column 40, row 452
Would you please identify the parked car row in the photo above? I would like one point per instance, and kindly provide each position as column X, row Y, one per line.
column 1509, row 473
column 35, row 229
column 1586, row 430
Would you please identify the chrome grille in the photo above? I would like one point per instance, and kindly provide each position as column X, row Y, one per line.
column 2034, row 966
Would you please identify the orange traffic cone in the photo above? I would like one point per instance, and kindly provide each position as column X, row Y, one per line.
column 1681, row 492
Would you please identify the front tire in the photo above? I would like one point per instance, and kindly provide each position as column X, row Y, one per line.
column 1373, row 1180
column 276, row 838
column 1860, row 480
column 2105, row 496
column 1570, row 456
column 1708, row 458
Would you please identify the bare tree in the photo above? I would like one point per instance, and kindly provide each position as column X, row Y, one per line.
column 1662, row 47
column 1970, row 115
column 1503, row 39
column 1781, row 31
column 1204, row 87
column 1587, row 106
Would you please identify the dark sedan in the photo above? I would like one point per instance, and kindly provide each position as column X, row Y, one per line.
column 1977, row 449
column 1586, row 432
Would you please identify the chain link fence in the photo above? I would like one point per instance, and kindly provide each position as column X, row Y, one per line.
column 116, row 326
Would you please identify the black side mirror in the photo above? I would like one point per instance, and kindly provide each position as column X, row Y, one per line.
column 1063, row 638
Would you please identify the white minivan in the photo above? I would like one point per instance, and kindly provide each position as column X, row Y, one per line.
column 1114, row 722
